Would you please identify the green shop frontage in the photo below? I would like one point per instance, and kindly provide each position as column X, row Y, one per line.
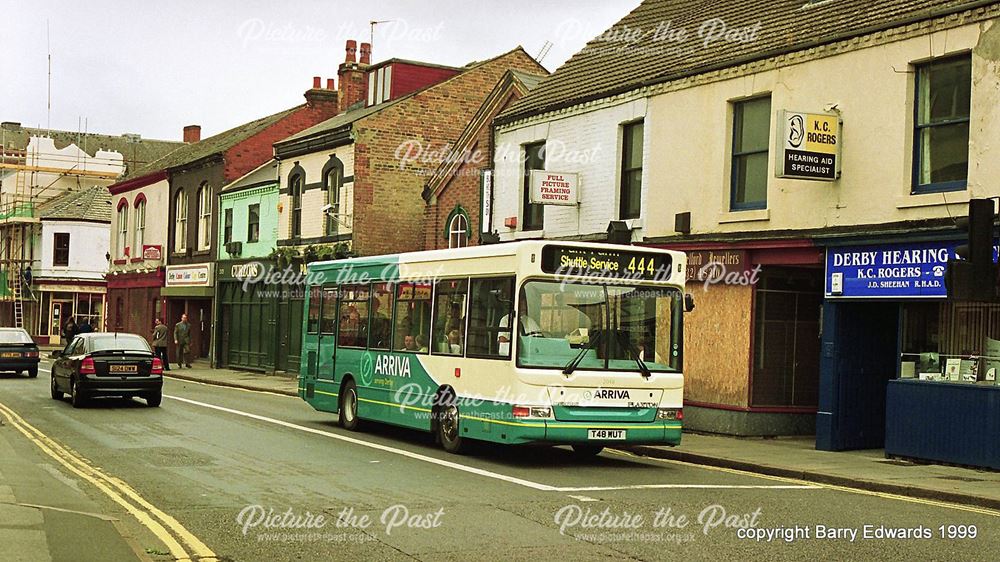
column 260, row 317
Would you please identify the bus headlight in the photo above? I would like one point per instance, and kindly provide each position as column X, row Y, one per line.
column 521, row 411
column 669, row 414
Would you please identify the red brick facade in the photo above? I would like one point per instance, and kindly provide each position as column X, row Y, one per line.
column 389, row 209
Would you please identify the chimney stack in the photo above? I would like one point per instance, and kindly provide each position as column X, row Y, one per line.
column 317, row 96
column 352, row 78
column 317, row 82
column 330, row 85
column 192, row 133
column 366, row 53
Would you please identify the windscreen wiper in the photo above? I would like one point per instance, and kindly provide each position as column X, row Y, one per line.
column 572, row 365
column 623, row 339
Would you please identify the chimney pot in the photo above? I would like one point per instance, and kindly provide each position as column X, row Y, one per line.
column 330, row 84
column 352, row 47
column 366, row 53
column 192, row 133
column 317, row 82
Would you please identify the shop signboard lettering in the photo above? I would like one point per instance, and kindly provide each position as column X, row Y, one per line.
column 189, row 275
column 889, row 270
column 555, row 188
column 702, row 264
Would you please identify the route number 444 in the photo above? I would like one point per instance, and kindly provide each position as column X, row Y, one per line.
column 641, row 265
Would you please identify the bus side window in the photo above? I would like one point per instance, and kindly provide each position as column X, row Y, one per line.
column 449, row 316
column 312, row 326
column 353, row 316
column 328, row 324
column 490, row 313
column 380, row 330
column 413, row 317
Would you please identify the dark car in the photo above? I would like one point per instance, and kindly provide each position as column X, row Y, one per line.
column 107, row 364
column 18, row 352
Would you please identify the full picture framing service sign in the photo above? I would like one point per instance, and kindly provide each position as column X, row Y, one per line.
column 555, row 188
column 808, row 146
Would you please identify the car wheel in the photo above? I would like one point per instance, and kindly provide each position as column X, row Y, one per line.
column 449, row 427
column 54, row 389
column 349, row 419
column 153, row 399
column 587, row 451
column 33, row 372
column 76, row 397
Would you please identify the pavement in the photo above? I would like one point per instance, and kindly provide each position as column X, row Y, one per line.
column 791, row 457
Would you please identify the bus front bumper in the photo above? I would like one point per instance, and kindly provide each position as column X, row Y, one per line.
column 595, row 433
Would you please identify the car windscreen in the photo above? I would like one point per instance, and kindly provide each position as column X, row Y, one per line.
column 118, row 342
column 14, row 336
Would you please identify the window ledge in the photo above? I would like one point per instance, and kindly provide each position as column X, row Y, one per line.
column 137, row 260
column 527, row 234
column 933, row 199
column 120, row 262
column 751, row 215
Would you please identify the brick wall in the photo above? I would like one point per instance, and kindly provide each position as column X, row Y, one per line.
column 389, row 210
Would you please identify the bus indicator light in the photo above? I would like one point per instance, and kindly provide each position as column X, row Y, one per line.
column 458, row 372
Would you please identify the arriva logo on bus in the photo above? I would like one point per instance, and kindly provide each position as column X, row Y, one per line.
column 383, row 365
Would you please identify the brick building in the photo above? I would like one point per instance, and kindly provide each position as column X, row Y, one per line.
column 453, row 214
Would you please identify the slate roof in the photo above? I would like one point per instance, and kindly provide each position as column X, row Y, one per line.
column 90, row 204
column 215, row 144
column 265, row 174
column 135, row 154
column 623, row 59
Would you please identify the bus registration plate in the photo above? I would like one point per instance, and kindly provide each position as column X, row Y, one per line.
column 606, row 434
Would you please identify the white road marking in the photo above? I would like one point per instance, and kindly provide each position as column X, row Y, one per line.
column 470, row 469
column 584, row 498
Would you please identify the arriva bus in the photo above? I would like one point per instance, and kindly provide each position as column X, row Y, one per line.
column 531, row 342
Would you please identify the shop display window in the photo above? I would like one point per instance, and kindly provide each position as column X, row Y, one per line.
column 957, row 342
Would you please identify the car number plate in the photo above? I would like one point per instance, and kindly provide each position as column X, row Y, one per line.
column 10, row 354
column 606, row 434
column 123, row 368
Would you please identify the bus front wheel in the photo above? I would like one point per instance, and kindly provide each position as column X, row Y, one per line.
column 448, row 427
column 349, row 407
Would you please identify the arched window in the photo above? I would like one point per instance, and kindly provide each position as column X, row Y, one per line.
column 121, row 242
column 458, row 231
column 204, row 216
column 295, row 190
column 140, row 227
column 180, row 221
column 331, row 182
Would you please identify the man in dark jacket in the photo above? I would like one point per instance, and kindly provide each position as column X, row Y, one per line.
column 182, row 339
column 160, row 342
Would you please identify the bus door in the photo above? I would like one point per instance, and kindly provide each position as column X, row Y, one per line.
column 327, row 348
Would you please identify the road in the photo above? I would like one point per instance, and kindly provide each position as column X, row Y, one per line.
column 226, row 474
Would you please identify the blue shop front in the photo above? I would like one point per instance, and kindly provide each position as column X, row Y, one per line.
column 902, row 367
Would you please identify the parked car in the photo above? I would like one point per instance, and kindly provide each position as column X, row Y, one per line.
column 18, row 352
column 107, row 364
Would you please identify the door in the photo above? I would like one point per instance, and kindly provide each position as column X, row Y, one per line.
column 283, row 334
column 59, row 312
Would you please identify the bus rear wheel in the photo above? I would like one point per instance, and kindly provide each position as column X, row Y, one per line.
column 449, row 427
column 349, row 419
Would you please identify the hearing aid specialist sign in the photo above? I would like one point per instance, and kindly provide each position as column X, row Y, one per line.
column 808, row 146
column 890, row 270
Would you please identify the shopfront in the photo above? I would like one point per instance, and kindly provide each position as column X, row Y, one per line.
column 903, row 367
column 190, row 289
column 260, row 317
column 752, row 343
column 58, row 302
column 134, row 301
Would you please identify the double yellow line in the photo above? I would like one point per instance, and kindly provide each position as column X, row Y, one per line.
column 165, row 527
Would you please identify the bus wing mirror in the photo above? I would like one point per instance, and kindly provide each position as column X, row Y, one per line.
column 688, row 302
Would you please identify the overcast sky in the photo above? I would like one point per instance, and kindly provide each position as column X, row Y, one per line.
column 151, row 67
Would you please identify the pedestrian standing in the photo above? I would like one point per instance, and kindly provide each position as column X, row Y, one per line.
column 182, row 339
column 70, row 329
column 160, row 343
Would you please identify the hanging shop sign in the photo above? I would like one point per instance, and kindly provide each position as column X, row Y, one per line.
column 152, row 252
column 555, row 188
column 808, row 146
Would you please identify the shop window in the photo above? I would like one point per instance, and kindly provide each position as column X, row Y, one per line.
column 413, row 317
column 180, row 221
column 380, row 326
column 253, row 223
column 490, row 311
column 950, row 341
column 751, row 131
column 140, row 228
column 227, row 226
column 60, row 249
column 353, row 316
column 328, row 324
column 941, row 135
column 532, row 213
column 631, row 178
column 786, row 337
column 449, row 316
column 204, row 216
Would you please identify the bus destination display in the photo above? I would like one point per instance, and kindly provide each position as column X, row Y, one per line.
column 567, row 260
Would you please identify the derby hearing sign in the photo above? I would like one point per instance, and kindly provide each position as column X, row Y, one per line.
column 808, row 146
column 555, row 188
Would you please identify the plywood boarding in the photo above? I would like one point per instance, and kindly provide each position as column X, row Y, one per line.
column 717, row 344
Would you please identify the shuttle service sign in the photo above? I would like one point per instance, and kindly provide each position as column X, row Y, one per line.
column 555, row 188
column 808, row 146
